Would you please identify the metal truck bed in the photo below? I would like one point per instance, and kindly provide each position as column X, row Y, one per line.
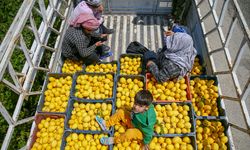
column 146, row 29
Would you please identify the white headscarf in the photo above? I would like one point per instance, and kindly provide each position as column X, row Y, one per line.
column 180, row 50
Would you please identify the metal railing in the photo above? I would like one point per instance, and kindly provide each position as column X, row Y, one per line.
column 14, row 40
column 226, row 51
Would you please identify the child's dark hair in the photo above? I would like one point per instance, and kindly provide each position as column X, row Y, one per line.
column 143, row 97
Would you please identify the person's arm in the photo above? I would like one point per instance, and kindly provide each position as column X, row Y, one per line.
column 159, row 75
column 147, row 136
column 82, row 46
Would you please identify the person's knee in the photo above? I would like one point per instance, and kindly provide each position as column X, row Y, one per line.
column 92, row 59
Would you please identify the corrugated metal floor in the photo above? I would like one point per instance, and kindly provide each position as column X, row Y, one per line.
column 146, row 29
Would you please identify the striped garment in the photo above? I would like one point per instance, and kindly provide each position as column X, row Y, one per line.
column 77, row 45
column 165, row 69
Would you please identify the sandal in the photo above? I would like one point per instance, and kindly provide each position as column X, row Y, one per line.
column 107, row 140
column 100, row 122
column 106, row 55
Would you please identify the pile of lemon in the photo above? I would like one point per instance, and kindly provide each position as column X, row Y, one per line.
column 204, row 97
column 102, row 68
column 175, row 143
column 126, row 90
column 57, row 94
column 197, row 68
column 170, row 90
column 130, row 66
column 172, row 119
column 210, row 135
column 49, row 134
column 83, row 115
column 71, row 66
column 76, row 141
column 94, row 87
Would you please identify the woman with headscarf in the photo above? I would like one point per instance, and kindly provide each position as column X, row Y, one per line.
column 95, row 8
column 175, row 59
column 78, row 44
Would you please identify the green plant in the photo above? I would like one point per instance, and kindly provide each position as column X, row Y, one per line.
column 180, row 9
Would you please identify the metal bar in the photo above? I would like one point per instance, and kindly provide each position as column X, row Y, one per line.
column 244, row 105
column 43, row 10
column 200, row 3
column 54, row 30
column 222, row 15
column 25, row 51
column 124, row 34
column 6, row 115
column 237, row 62
column 34, row 93
column 230, row 98
column 216, row 50
column 152, row 33
column 42, row 68
column 24, row 120
column 8, row 44
column 56, row 10
column 242, row 19
column 138, row 30
column 105, row 23
column 117, row 36
column 159, row 32
column 211, row 31
column 239, row 128
column 204, row 17
column 243, row 42
column 20, row 74
column 53, row 62
column 11, row 86
column 34, row 29
column 38, row 11
column 131, row 28
column 49, row 48
column 7, row 137
column 145, row 33
column 14, row 76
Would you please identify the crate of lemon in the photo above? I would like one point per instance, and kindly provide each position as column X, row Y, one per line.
column 93, row 86
column 72, row 66
column 48, row 132
column 158, row 142
column 81, row 115
column 205, row 96
column 212, row 134
column 130, row 64
column 79, row 141
column 174, row 118
column 103, row 67
column 127, row 87
column 56, row 93
column 198, row 68
column 169, row 91
column 173, row 143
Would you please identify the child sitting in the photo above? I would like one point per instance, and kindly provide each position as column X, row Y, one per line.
column 140, row 121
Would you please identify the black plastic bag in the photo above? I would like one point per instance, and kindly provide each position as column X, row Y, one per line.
column 136, row 48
